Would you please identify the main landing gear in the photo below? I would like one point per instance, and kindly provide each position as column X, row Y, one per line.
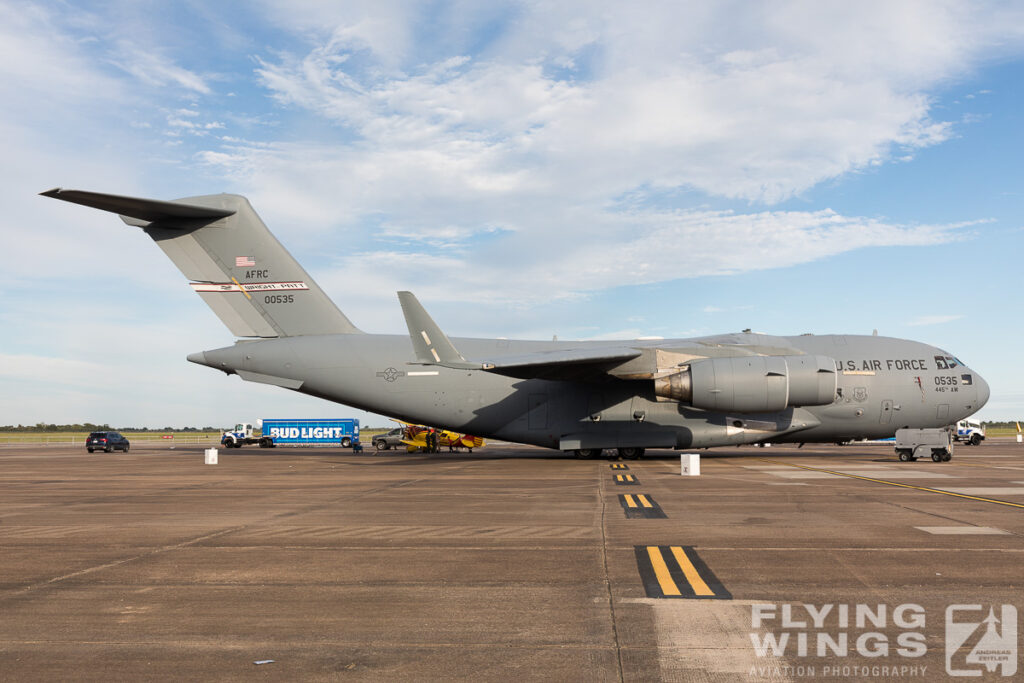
column 621, row 453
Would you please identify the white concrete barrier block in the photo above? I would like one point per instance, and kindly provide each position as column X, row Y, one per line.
column 211, row 456
column 1020, row 438
column 689, row 464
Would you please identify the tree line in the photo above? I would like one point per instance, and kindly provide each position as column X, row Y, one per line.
column 1012, row 424
column 90, row 427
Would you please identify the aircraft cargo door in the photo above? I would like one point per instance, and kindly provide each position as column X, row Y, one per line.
column 538, row 413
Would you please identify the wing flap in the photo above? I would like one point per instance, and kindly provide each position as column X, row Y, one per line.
column 562, row 364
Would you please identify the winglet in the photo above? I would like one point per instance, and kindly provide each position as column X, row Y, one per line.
column 432, row 346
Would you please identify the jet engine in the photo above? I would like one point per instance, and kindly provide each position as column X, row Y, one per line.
column 752, row 384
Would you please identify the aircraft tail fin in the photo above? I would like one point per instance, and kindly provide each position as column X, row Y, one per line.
column 432, row 346
column 233, row 261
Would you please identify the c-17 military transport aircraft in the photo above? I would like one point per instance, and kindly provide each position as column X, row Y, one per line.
column 574, row 396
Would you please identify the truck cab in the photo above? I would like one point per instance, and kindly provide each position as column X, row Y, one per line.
column 969, row 431
column 242, row 435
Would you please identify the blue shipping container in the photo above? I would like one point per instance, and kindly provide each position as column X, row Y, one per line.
column 312, row 432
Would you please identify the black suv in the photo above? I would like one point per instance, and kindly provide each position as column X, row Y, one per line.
column 106, row 441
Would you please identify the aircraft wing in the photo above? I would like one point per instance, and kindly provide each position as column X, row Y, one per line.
column 562, row 364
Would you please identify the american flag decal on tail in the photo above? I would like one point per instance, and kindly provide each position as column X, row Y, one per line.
column 244, row 261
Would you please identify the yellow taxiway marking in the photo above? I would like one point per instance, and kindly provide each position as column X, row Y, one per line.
column 896, row 483
column 643, row 501
column 668, row 586
column 691, row 573
column 623, row 477
column 630, row 502
column 677, row 572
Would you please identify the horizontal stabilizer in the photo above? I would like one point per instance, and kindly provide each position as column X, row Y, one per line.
column 562, row 364
column 136, row 207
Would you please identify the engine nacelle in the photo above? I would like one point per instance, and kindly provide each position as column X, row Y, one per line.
column 812, row 380
column 752, row 384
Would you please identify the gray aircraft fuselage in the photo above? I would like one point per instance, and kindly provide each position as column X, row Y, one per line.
column 583, row 396
column 883, row 384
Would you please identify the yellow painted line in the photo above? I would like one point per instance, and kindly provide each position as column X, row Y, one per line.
column 692, row 575
column 643, row 501
column 668, row 586
column 896, row 483
column 629, row 501
column 242, row 289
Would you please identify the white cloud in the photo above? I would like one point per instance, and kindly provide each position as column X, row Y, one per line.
column 778, row 102
column 42, row 68
column 933, row 319
column 567, row 139
column 725, row 309
column 48, row 369
column 546, row 244
column 145, row 64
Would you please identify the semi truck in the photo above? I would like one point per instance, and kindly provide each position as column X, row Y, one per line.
column 970, row 431
column 293, row 432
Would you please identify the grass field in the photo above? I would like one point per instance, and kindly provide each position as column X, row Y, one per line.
column 12, row 438
column 79, row 437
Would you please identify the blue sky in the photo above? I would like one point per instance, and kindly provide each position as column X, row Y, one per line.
column 586, row 170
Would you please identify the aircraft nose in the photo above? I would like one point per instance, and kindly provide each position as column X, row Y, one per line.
column 983, row 390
